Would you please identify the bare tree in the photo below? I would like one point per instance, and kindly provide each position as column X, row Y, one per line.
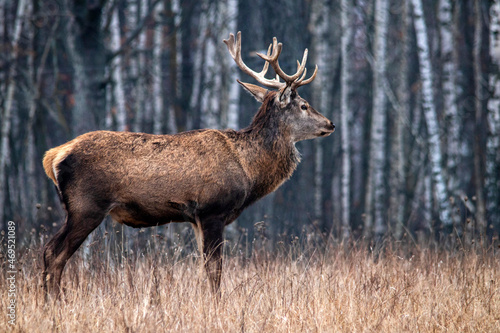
column 480, row 98
column 234, row 89
column 344, row 115
column 397, row 203
column 158, row 106
column 6, row 114
column 429, row 109
column 492, row 178
column 450, row 88
column 117, row 73
column 375, row 193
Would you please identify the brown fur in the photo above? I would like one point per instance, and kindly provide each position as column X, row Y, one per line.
column 206, row 177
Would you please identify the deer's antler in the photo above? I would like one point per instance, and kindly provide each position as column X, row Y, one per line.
column 294, row 81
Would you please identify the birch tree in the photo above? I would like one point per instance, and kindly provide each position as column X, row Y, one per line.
column 480, row 97
column 139, row 69
column 492, row 178
column 429, row 109
column 170, row 57
column 117, row 69
column 210, row 98
column 344, row 115
column 9, row 100
column 158, row 118
column 450, row 88
column 397, row 203
column 375, row 193
column 234, row 88
column 210, row 84
column 319, row 19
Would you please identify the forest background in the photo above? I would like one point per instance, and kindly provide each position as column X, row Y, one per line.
column 412, row 86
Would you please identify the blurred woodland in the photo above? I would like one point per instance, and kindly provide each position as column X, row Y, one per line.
column 413, row 87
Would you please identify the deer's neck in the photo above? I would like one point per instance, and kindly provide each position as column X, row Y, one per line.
column 269, row 157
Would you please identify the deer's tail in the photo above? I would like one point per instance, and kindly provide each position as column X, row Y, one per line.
column 53, row 158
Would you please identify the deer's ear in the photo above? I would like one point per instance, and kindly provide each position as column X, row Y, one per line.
column 285, row 96
column 257, row 92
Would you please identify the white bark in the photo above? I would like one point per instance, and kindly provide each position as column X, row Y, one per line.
column 212, row 85
column 216, row 99
column 157, row 77
column 480, row 96
column 450, row 92
column 176, row 50
column 140, row 64
column 209, row 99
column 344, row 115
column 80, row 113
column 376, row 172
column 198, row 66
column 492, row 181
column 6, row 116
column 117, row 75
column 430, row 114
column 319, row 20
column 234, row 87
column 398, row 166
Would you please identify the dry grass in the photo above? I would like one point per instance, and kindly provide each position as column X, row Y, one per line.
column 294, row 290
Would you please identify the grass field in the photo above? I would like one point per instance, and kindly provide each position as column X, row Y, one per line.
column 294, row 289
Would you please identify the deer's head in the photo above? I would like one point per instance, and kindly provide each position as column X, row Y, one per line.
column 303, row 121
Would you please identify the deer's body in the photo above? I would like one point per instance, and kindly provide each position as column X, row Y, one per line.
column 206, row 177
column 145, row 180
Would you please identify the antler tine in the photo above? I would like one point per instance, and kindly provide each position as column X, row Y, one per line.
column 271, row 58
column 302, row 82
column 266, row 64
column 234, row 48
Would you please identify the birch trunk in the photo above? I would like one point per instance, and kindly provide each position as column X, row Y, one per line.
column 169, row 66
column 398, row 200
column 194, row 120
column 344, row 115
column 6, row 116
column 158, row 118
column 450, row 88
column 210, row 92
column 429, row 109
column 211, row 88
column 480, row 96
column 139, row 64
column 234, row 87
column 492, row 179
column 375, row 201
column 117, row 69
column 319, row 19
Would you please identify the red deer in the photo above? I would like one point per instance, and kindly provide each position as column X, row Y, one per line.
column 206, row 177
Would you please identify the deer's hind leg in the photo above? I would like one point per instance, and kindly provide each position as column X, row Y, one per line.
column 78, row 225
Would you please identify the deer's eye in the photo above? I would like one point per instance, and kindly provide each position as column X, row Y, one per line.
column 304, row 107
